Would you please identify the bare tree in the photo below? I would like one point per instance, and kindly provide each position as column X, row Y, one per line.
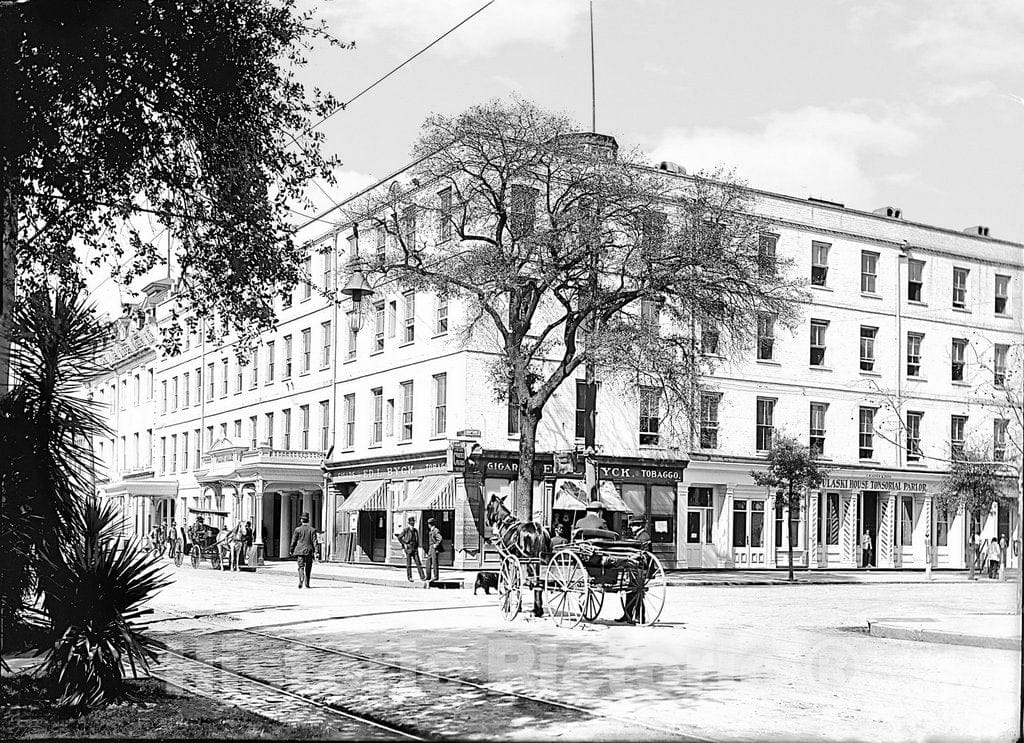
column 566, row 253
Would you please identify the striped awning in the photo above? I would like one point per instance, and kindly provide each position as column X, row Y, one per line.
column 435, row 493
column 369, row 495
column 570, row 497
column 610, row 498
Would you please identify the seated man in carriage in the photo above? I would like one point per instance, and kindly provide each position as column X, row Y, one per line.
column 593, row 525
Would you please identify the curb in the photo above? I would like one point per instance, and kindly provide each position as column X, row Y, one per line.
column 896, row 632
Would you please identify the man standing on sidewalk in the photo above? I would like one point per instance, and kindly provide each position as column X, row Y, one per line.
column 410, row 540
column 303, row 546
column 434, row 542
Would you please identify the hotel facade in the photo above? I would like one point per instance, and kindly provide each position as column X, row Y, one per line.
column 905, row 347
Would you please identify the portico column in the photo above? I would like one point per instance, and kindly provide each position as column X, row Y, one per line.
column 307, row 505
column 286, row 525
column 812, row 528
column 257, row 519
column 327, row 502
column 851, row 540
column 730, row 560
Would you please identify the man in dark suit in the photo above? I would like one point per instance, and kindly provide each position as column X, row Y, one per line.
column 594, row 518
column 410, row 539
column 303, row 546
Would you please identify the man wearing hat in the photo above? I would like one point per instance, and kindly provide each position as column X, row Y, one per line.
column 594, row 518
column 303, row 546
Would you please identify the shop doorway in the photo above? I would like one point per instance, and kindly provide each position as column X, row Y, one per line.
column 445, row 522
column 869, row 525
column 748, row 532
column 699, row 528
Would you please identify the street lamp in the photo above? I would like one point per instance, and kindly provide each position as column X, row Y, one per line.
column 357, row 287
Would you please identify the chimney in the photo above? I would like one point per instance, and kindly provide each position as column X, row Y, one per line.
column 979, row 230
column 671, row 167
column 893, row 212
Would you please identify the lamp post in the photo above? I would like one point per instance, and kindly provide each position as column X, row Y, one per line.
column 356, row 287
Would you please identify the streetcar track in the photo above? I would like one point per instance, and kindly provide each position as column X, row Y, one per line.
column 675, row 733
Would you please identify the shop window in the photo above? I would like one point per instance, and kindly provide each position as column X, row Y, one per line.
column 663, row 509
column 941, row 527
column 832, row 520
column 906, row 521
column 739, row 523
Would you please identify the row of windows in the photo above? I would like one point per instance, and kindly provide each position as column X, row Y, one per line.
column 383, row 418
column 140, row 391
column 190, row 390
column 277, row 434
column 390, row 321
column 817, row 429
column 915, row 279
column 868, row 335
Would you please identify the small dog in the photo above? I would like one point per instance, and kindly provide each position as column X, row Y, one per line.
column 486, row 580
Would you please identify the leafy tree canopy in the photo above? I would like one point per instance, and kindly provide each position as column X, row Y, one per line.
column 187, row 108
column 792, row 468
column 974, row 483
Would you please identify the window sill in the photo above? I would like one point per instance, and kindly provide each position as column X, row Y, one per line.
column 325, row 368
column 513, row 437
column 822, row 288
column 439, row 335
column 768, row 362
column 1002, row 316
column 305, row 299
column 962, row 309
column 869, row 461
column 709, row 355
column 653, row 447
column 917, row 465
column 304, row 374
column 439, row 437
column 911, row 378
column 404, row 442
column 406, row 343
column 871, row 295
column 376, row 445
column 350, row 360
column 377, row 353
column 956, row 383
column 818, row 367
column 347, row 450
column 866, row 373
column 268, row 382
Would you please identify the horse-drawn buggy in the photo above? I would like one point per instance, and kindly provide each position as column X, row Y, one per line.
column 203, row 541
column 573, row 578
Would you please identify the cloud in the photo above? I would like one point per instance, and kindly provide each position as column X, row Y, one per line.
column 810, row 151
column 371, row 22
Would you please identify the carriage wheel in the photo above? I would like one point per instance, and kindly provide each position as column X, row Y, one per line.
column 593, row 603
column 644, row 594
column 194, row 555
column 215, row 560
column 178, row 558
column 566, row 588
column 510, row 587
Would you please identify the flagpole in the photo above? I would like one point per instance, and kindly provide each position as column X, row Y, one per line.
column 593, row 84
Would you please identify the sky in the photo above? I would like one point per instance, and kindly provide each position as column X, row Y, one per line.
column 871, row 103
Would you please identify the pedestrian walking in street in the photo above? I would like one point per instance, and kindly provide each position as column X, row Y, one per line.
column 867, row 549
column 172, row 539
column 435, row 544
column 1004, row 543
column 994, row 558
column 410, row 541
column 973, row 548
column 236, row 544
column 247, row 537
column 303, row 546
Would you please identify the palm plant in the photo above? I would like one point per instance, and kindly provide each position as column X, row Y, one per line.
column 94, row 590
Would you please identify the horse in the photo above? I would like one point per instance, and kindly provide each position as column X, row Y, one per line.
column 527, row 540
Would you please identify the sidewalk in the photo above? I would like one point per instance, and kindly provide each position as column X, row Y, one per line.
column 394, row 575
column 1001, row 631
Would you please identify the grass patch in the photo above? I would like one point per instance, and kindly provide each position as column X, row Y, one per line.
column 154, row 711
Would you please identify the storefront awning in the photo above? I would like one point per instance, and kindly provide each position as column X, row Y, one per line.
column 209, row 512
column 369, row 495
column 436, row 492
column 609, row 496
column 570, row 497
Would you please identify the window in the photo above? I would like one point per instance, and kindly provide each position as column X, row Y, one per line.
column 307, row 277
column 915, row 280
column 163, row 455
column 174, row 452
column 137, row 389
column 957, row 426
column 867, row 348
column 237, row 429
column 286, row 424
column 124, row 394
column 444, row 198
column 184, row 450
column 765, row 336
column 700, row 510
column 440, row 403
column 650, row 416
column 999, row 426
column 709, row 420
column 941, row 527
column 287, row 357
column 819, row 263
column 440, row 315
column 392, row 318
column 378, row 327
column 959, row 356
column 410, row 317
column 209, row 381
column 765, row 423
column 254, row 368
column 868, row 272
column 515, row 415
column 307, row 347
column 381, row 244
column 351, row 337
column 1000, row 353
column 286, row 299
column 252, row 432
column 1002, row 295
column 270, row 361
column 406, row 411
column 817, row 433
column 209, row 438
column 960, row 288
column 174, row 394
column 377, row 415
column 914, row 436
column 149, row 384
column 198, row 444
column 581, row 408
column 818, row 328
column 766, row 245
column 303, row 430
column 147, row 451
column 186, row 389
column 268, row 427
column 350, row 420
column 650, row 314
column 914, row 354
column 199, row 384
column 135, row 451
column 389, row 418
column 866, row 439
column 224, row 430
column 906, row 520
column 408, row 227
column 163, row 397
column 224, row 378
column 523, row 214
column 328, row 270
column 325, row 349
column 238, row 377
column 653, row 238
column 709, row 336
